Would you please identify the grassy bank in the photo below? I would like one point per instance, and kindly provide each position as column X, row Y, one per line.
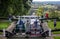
column 4, row 25
column 51, row 25
column 57, row 37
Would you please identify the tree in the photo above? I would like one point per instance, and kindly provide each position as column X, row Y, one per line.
column 39, row 12
column 53, row 14
column 14, row 7
column 3, row 7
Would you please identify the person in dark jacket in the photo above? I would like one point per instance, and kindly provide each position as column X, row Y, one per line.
column 35, row 23
column 20, row 25
column 55, row 23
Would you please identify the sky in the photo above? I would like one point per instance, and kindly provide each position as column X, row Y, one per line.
column 46, row 0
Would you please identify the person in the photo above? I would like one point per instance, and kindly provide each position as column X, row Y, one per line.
column 46, row 16
column 10, row 17
column 20, row 25
column 41, row 26
column 35, row 23
column 54, row 23
column 27, row 28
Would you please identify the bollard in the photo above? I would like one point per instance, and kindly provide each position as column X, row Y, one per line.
column 4, row 32
column 49, row 32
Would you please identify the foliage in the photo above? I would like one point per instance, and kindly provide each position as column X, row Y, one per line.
column 3, row 7
column 39, row 12
column 14, row 7
column 53, row 14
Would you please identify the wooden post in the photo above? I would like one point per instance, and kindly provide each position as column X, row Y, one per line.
column 49, row 32
column 4, row 32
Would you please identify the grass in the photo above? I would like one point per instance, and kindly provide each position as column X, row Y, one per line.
column 58, row 32
column 51, row 25
column 57, row 37
column 4, row 25
column 1, row 33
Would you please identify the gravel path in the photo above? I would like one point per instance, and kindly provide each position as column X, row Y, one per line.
column 11, row 27
column 49, row 37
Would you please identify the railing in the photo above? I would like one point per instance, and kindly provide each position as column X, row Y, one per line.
column 55, row 30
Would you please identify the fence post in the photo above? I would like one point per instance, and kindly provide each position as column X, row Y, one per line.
column 4, row 32
column 49, row 32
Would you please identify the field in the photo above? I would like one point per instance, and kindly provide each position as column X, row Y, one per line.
column 51, row 25
column 4, row 25
column 56, row 37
